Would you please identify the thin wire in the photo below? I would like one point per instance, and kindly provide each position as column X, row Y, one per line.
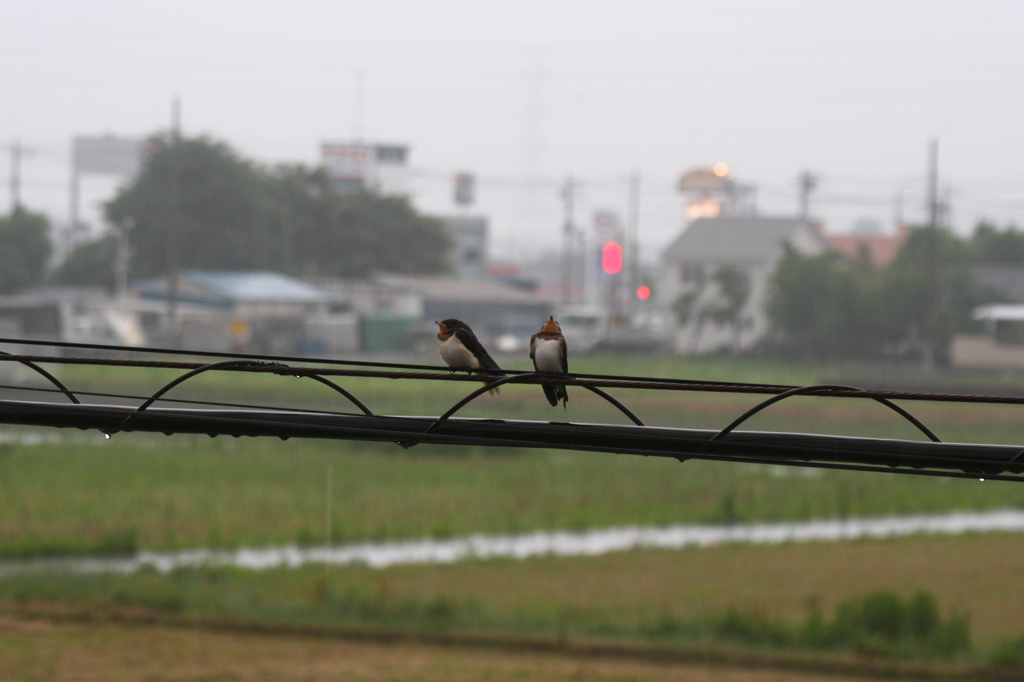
column 208, row 403
column 612, row 381
column 308, row 360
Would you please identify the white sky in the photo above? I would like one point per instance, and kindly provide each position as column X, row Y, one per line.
column 523, row 93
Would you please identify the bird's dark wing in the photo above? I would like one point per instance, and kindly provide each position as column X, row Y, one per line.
column 565, row 354
column 474, row 346
column 533, row 349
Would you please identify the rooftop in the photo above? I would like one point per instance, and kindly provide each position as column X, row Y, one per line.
column 741, row 239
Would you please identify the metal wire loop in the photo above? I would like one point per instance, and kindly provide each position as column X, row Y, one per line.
column 521, row 378
column 811, row 389
column 225, row 365
column 53, row 380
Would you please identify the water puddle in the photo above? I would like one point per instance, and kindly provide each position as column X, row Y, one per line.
column 563, row 544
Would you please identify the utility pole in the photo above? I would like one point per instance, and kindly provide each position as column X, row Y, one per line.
column 807, row 182
column 358, row 104
column 931, row 265
column 121, row 260
column 897, row 211
column 633, row 242
column 173, row 328
column 568, row 232
column 18, row 153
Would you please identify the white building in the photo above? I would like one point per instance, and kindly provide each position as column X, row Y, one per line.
column 379, row 168
column 716, row 274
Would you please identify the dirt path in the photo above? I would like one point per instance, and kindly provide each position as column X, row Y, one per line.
column 58, row 652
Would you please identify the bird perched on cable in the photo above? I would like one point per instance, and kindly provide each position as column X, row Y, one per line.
column 461, row 350
column 549, row 354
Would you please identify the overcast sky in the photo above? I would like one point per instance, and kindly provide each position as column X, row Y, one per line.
column 525, row 93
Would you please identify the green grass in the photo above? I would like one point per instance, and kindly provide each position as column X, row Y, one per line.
column 912, row 597
column 155, row 492
column 81, row 494
column 139, row 491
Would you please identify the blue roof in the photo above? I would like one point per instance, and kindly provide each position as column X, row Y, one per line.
column 255, row 286
column 237, row 287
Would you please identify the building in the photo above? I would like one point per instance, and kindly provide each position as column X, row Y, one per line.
column 714, row 192
column 469, row 234
column 715, row 278
column 1000, row 345
column 879, row 249
column 397, row 312
column 379, row 168
column 261, row 312
column 76, row 314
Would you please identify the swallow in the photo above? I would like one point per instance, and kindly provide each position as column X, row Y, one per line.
column 549, row 354
column 461, row 350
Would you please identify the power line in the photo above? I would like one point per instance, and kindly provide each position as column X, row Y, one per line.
column 17, row 153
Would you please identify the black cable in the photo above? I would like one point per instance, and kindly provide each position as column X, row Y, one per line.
column 208, row 403
column 355, row 363
column 443, row 438
column 52, row 379
column 820, row 387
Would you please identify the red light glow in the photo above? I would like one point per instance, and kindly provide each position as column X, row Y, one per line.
column 643, row 293
column 611, row 258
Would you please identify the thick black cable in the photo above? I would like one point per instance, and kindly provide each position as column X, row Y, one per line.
column 521, row 378
column 441, row 438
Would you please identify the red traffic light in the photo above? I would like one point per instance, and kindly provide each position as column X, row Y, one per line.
column 643, row 293
column 611, row 258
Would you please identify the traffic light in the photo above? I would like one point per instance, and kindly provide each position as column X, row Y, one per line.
column 643, row 292
column 611, row 258
column 465, row 188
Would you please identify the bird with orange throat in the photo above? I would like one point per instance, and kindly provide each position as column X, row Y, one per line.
column 550, row 355
column 461, row 350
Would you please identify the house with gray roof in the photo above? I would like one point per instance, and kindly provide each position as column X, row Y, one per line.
column 715, row 278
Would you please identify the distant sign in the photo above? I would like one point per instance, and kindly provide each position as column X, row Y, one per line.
column 347, row 161
column 107, row 155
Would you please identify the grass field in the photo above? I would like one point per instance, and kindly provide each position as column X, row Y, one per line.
column 154, row 492
column 640, row 594
column 71, row 492
column 83, row 494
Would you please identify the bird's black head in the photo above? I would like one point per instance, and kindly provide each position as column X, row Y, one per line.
column 452, row 323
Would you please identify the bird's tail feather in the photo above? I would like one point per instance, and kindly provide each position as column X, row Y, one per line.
column 551, row 393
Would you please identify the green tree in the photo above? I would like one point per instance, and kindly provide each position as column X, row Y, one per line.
column 351, row 234
column 91, row 264
column 832, row 306
column 733, row 290
column 24, row 249
column 821, row 306
column 931, row 299
column 989, row 244
column 197, row 200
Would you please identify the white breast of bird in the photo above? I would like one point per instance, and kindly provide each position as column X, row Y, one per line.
column 547, row 355
column 456, row 355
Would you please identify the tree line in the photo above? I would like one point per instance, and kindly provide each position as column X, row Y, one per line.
column 831, row 306
column 197, row 204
